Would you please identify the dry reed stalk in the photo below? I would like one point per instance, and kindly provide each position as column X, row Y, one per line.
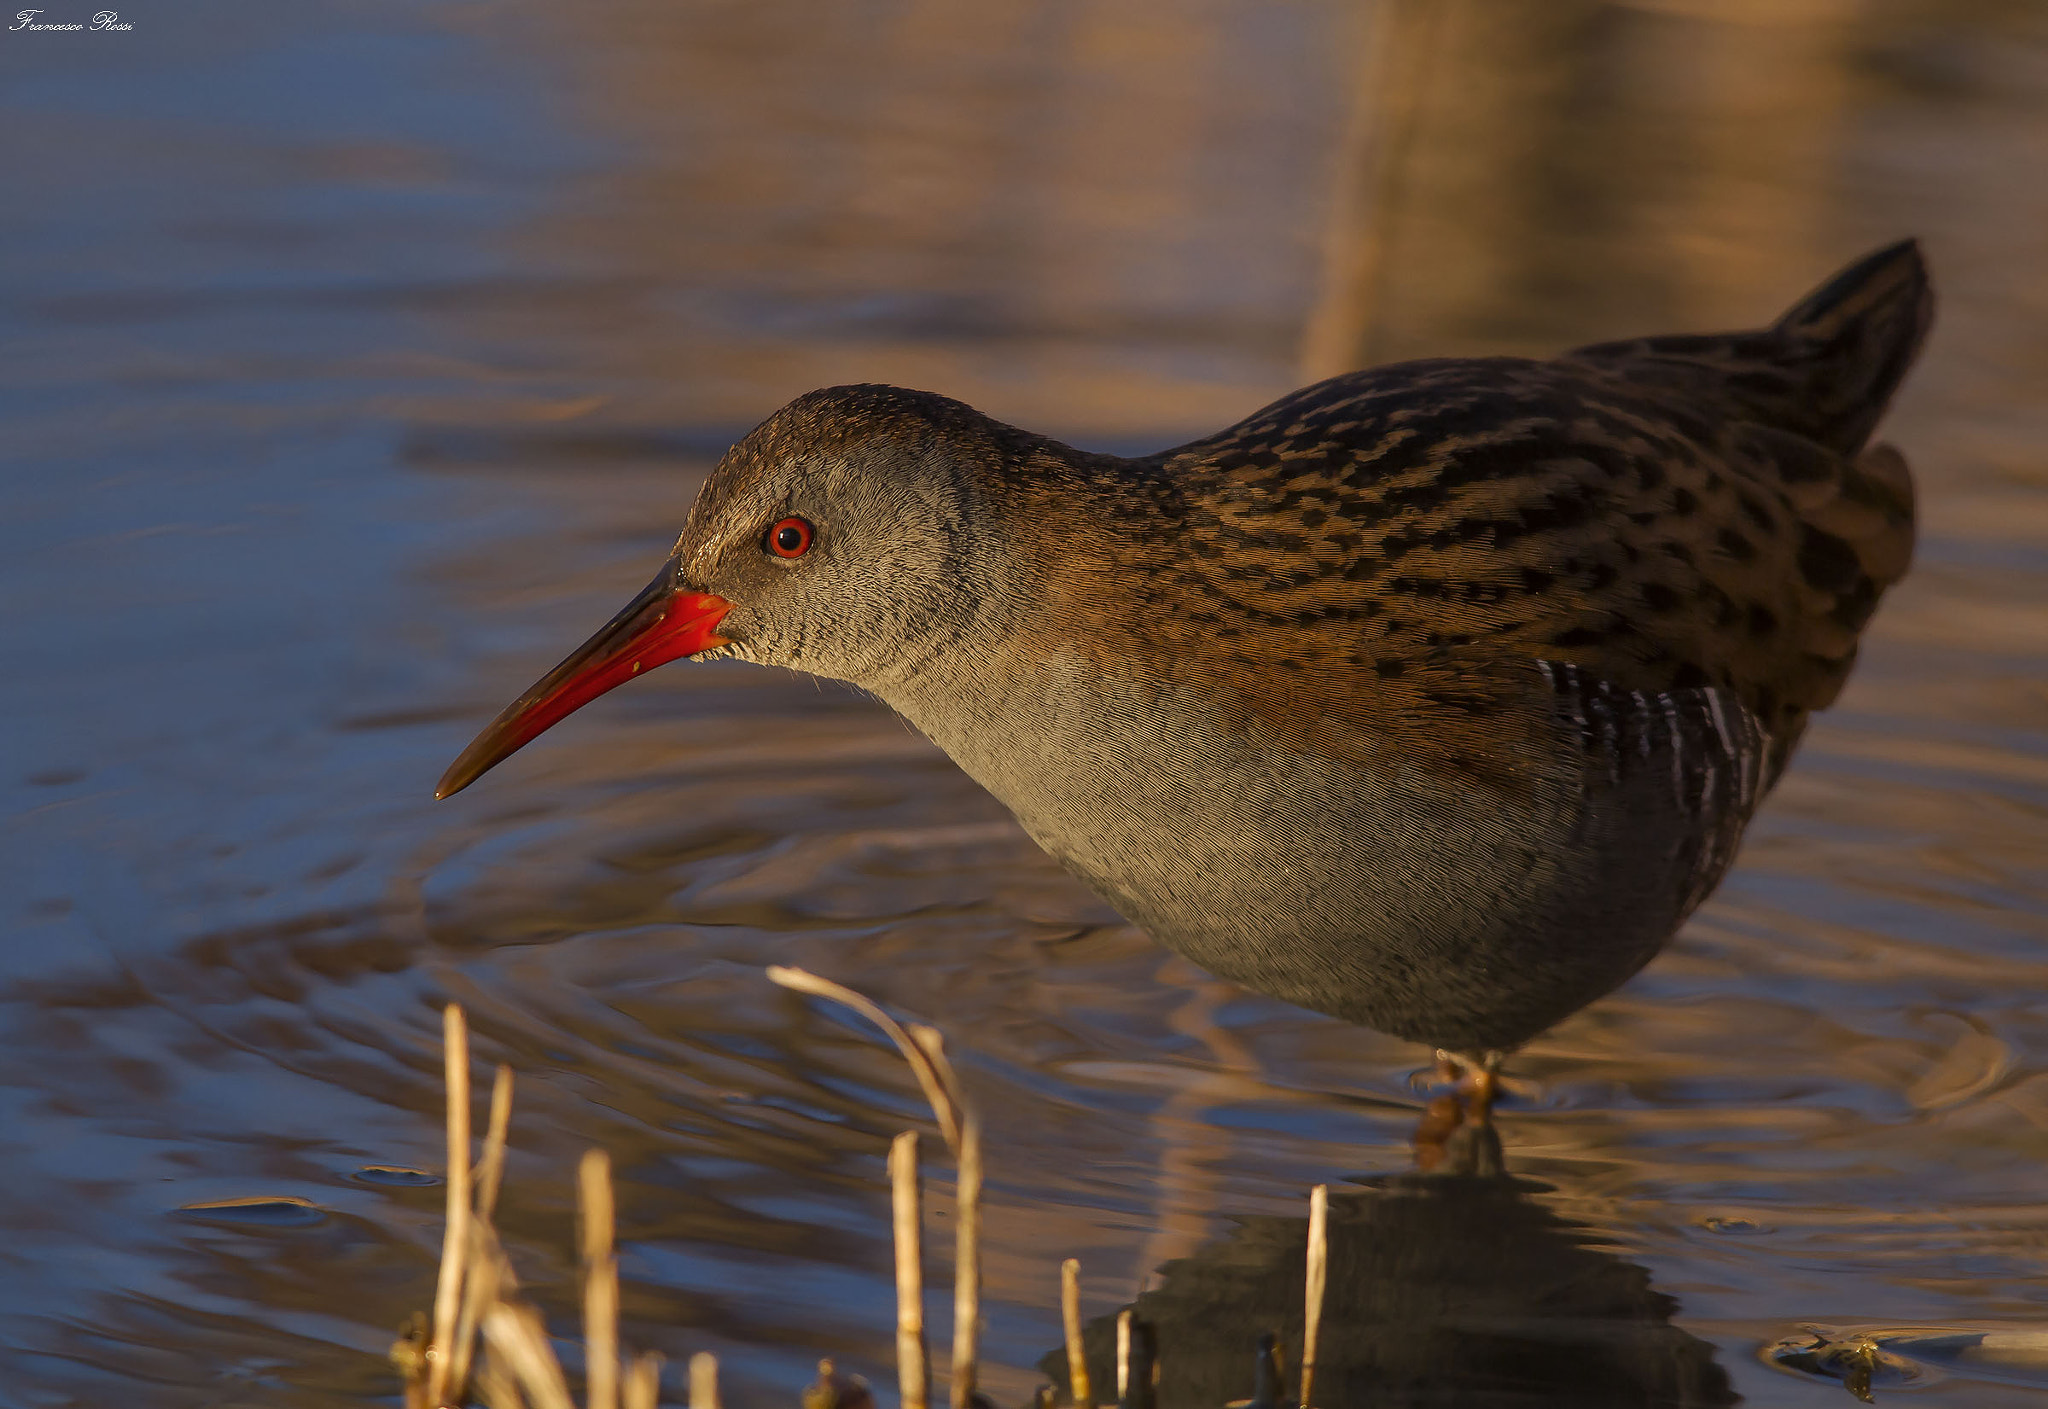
column 913, row 1364
column 517, row 1336
column 490, row 1168
column 485, row 1282
column 967, row 1221
column 485, row 1265
column 642, row 1387
column 455, row 1239
column 1318, row 1276
column 966, row 1364
column 925, row 1049
column 1123, row 1355
column 704, row 1380
column 496, row 1387
column 600, row 1283
column 1081, row 1392
column 938, row 1090
column 489, row 1282
column 474, row 1292
column 932, row 1043
column 521, row 1368
column 967, row 1266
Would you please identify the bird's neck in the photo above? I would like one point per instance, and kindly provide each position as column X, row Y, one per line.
column 1067, row 548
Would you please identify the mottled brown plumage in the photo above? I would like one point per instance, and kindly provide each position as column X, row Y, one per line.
column 1433, row 696
column 1387, row 547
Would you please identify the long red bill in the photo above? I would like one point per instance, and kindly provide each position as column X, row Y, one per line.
column 664, row 623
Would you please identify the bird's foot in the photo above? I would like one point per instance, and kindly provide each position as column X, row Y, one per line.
column 1476, row 1079
column 1443, row 1070
column 1475, row 1084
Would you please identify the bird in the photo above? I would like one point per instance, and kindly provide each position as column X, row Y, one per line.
column 1433, row 697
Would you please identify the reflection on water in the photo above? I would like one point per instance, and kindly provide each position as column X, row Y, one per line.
column 357, row 358
column 1442, row 1289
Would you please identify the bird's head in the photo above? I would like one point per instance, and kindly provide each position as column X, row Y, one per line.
column 839, row 538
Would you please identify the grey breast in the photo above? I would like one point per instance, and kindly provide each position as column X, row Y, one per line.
column 1395, row 896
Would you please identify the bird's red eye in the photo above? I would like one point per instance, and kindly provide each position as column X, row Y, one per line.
column 790, row 538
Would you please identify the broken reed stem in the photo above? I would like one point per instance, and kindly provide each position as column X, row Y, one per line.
column 473, row 1302
column 483, row 1285
column 913, row 1362
column 703, row 1380
column 518, row 1338
column 600, row 1283
column 455, row 1240
column 1318, row 1275
column 642, row 1387
column 496, row 1387
column 931, row 1044
column 1080, row 1391
column 937, row 1090
column 967, row 1266
column 490, row 1169
column 485, row 1275
column 925, row 1049
column 966, row 1364
column 470, row 1297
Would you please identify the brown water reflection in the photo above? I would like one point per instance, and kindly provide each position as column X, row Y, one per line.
column 1458, row 1287
column 359, row 357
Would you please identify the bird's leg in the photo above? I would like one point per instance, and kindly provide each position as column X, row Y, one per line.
column 1479, row 1084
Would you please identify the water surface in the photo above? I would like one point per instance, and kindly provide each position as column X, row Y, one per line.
column 357, row 359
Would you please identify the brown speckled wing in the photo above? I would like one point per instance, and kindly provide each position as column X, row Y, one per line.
column 1378, row 561
column 1388, row 553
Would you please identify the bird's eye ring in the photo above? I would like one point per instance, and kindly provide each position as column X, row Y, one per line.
column 790, row 537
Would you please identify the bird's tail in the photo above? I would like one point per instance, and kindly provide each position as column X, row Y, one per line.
column 1852, row 341
column 1825, row 371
